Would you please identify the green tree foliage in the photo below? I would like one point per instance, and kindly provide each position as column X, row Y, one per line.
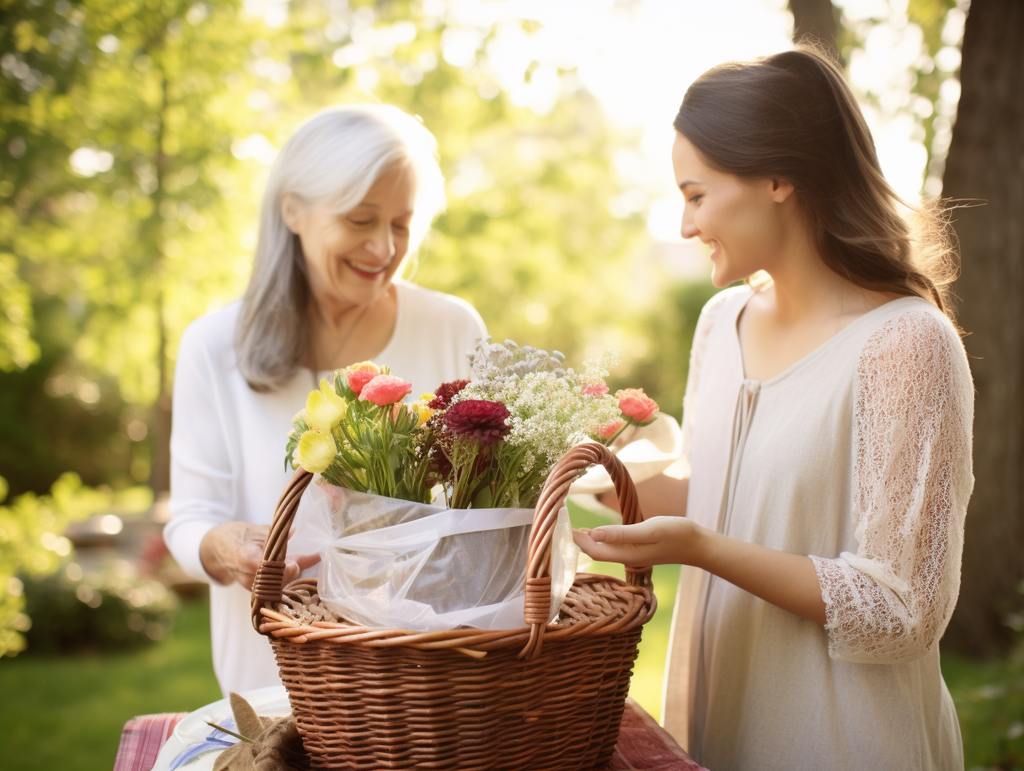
column 31, row 543
column 938, row 26
column 122, row 196
column 138, row 136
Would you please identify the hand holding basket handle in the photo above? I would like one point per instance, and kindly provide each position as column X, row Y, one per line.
column 569, row 468
column 268, row 586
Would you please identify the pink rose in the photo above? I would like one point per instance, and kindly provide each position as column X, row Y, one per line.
column 595, row 389
column 358, row 375
column 636, row 405
column 608, row 430
column 384, row 389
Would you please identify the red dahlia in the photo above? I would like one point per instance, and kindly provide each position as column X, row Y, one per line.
column 484, row 421
column 445, row 393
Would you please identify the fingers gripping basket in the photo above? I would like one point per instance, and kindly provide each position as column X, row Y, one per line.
column 545, row 696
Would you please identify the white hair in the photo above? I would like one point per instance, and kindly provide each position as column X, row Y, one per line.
column 335, row 157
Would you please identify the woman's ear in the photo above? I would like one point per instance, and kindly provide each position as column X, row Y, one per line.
column 781, row 190
column 291, row 211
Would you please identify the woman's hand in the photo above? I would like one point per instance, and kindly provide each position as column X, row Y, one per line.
column 655, row 541
column 786, row 580
column 232, row 552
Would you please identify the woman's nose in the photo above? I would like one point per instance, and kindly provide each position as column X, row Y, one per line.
column 382, row 243
column 688, row 229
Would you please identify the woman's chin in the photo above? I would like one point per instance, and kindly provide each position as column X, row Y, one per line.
column 719, row 278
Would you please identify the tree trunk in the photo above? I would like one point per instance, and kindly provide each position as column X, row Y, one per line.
column 814, row 21
column 160, row 476
column 986, row 161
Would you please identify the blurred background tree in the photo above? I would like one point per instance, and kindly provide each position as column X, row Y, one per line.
column 136, row 134
column 987, row 142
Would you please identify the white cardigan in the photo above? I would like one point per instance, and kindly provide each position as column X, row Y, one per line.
column 228, row 447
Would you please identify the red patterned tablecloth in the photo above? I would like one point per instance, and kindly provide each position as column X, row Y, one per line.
column 643, row 744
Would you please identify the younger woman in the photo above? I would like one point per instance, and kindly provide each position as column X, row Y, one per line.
column 827, row 423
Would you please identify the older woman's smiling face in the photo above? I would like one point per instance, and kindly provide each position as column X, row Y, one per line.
column 352, row 257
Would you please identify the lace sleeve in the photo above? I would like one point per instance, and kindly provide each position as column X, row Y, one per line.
column 891, row 601
column 705, row 323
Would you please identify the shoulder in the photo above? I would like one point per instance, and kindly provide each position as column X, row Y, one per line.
column 731, row 297
column 212, row 335
column 422, row 305
column 911, row 328
column 912, row 344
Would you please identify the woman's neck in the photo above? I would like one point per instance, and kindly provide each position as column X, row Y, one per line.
column 339, row 337
column 805, row 290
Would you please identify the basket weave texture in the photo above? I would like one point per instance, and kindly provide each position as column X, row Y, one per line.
column 545, row 696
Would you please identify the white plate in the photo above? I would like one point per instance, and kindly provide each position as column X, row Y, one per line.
column 194, row 745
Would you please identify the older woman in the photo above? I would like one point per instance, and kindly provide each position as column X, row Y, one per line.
column 349, row 196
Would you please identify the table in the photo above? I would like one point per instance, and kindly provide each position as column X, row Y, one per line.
column 643, row 744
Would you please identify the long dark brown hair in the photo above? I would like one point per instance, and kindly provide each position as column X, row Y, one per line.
column 792, row 117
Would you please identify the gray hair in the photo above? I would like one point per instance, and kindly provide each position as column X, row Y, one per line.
column 336, row 156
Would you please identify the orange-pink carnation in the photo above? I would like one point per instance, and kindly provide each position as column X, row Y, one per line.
column 384, row 389
column 608, row 430
column 358, row 375
column 636, row 405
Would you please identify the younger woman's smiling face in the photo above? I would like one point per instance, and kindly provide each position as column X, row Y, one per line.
column 738, row 218
column 352, row 257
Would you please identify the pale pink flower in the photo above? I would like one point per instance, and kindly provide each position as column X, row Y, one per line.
column 608, row 430
column 384, row 389
column 595, row 389
column 636, row 405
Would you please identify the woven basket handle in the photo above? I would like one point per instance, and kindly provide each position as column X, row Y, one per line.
column 266, row 589
column 538, row 569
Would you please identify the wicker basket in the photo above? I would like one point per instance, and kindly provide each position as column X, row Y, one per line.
column 539, row 697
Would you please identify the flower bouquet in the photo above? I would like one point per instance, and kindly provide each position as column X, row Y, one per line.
column 484, row 443
column 396, row 558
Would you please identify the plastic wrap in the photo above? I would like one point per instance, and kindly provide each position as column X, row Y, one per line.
column 388, row 563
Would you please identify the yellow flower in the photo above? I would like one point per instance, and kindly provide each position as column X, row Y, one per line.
column 423, row 412
column 316, row 451
column 324, row 408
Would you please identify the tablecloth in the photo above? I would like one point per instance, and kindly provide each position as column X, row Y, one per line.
column 643, row 744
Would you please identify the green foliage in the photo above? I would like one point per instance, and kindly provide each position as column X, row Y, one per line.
column 932, row 115
column 17, row 348
column 661, row 344
column 135, row 136
column 107, row 610
column 59, row 414
column 31, row 544
column 125, row 169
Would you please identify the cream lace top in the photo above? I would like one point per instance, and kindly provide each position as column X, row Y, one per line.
column 858, row 455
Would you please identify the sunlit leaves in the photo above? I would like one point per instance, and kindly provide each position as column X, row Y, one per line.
column 17, row 348
column 31, row 542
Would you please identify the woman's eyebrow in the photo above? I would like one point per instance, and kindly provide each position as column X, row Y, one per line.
column 683, row 185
